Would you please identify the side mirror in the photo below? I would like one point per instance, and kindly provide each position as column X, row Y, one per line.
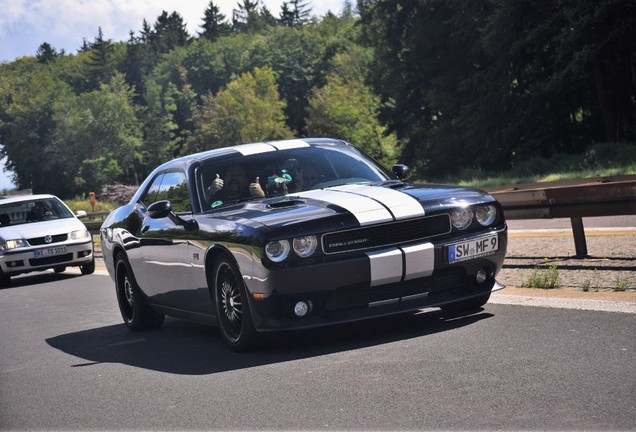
column 402, row 171
column 162, row 209
column 159, row 209
column 81, row 214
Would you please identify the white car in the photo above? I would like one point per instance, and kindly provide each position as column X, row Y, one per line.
column 39, row 232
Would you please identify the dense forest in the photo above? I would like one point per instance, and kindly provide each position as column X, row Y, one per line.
column 442, row 85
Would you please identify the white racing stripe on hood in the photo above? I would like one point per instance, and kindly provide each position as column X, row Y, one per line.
column 401, row 205
column 366, row 210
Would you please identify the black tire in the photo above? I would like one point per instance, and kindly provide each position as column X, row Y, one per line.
column 59, row 269
column 232, row 307
column 5, row 281
column 468, row 305
column 134, row 308
column 88, row 268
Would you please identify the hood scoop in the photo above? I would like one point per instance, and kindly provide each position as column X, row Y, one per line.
column 285, row 203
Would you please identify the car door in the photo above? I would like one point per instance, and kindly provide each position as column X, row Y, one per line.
column 165, row 247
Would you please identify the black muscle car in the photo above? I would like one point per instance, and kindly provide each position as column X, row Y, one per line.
column 296, row 234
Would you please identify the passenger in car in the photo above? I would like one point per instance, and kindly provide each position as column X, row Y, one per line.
column 234, row 185
column 304, row 177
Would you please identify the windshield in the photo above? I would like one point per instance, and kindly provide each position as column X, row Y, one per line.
column 32, row 211
column 237, row 177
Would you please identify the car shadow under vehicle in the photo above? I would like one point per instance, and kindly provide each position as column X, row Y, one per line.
column 182, row 347
column 39, row 277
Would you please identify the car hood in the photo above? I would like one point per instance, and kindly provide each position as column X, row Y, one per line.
column 354, row 205
column 40, row 229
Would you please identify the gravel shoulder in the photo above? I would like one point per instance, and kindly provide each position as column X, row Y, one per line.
column 608, row 273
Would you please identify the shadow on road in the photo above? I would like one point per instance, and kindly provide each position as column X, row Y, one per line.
column 38, row 277
column 182, row 347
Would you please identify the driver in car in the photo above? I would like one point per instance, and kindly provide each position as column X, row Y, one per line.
column 37, row 212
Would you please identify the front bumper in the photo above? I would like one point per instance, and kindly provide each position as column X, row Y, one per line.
column 341, row 291
column 25, row 260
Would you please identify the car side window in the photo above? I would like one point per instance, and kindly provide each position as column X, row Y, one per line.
column 174, row 188
column 151, row 194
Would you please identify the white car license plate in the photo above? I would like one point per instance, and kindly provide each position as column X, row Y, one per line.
column 474, row 248
column 50, row 251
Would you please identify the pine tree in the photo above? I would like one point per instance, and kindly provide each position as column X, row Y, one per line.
column 46, row 53
column 214, row 25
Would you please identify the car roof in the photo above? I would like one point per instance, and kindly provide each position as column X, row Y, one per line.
column 21, row 198
column 252, row 148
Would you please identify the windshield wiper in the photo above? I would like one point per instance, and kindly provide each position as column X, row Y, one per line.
column 219, row 203
column 393, row 184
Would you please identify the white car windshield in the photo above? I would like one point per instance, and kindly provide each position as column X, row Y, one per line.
column 32, row 211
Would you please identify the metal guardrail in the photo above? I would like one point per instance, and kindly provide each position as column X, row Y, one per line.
column 574, row 202
column 93, row 221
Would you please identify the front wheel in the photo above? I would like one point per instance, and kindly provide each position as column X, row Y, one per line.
column 134, row 308
column 89, row 268
column 468, row 305
column 5, row 281
column 232, row 307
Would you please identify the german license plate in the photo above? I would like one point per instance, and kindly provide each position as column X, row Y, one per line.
column 474, row 248
column 50, row 251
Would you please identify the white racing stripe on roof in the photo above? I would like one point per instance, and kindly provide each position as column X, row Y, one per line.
column 403, row 206
column 289, row 144
column 366, row 210
column 256, row 148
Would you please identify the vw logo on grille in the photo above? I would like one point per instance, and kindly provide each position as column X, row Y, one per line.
column 48, row 239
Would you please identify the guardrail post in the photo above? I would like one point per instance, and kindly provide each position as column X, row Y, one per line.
column 579, row 237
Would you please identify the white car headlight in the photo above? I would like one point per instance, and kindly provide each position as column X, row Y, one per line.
column 13, row 244
column 461, row 218
column 278, row 250
column 486, row 215
column 305, row 246
column 80, row 234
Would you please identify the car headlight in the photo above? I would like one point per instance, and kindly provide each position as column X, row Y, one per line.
column 486, row 215
column 305, row 246
column 13, row 244
column 461, row 218
column 80, row 234
column 277, row 250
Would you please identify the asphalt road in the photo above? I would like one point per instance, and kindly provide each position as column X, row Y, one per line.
column 68, row 362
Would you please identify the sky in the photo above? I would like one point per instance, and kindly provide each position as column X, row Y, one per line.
column 64, row 24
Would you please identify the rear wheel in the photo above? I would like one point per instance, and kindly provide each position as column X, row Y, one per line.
column 134, row 308
column 232, row 307
column 468, row 305
column 59, row 269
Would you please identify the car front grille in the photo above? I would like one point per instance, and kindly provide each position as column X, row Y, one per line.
column 39, row 241
column 385, row 234
column 363, row 296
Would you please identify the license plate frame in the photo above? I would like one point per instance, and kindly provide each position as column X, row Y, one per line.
column 475, row 248
column 52, row 251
